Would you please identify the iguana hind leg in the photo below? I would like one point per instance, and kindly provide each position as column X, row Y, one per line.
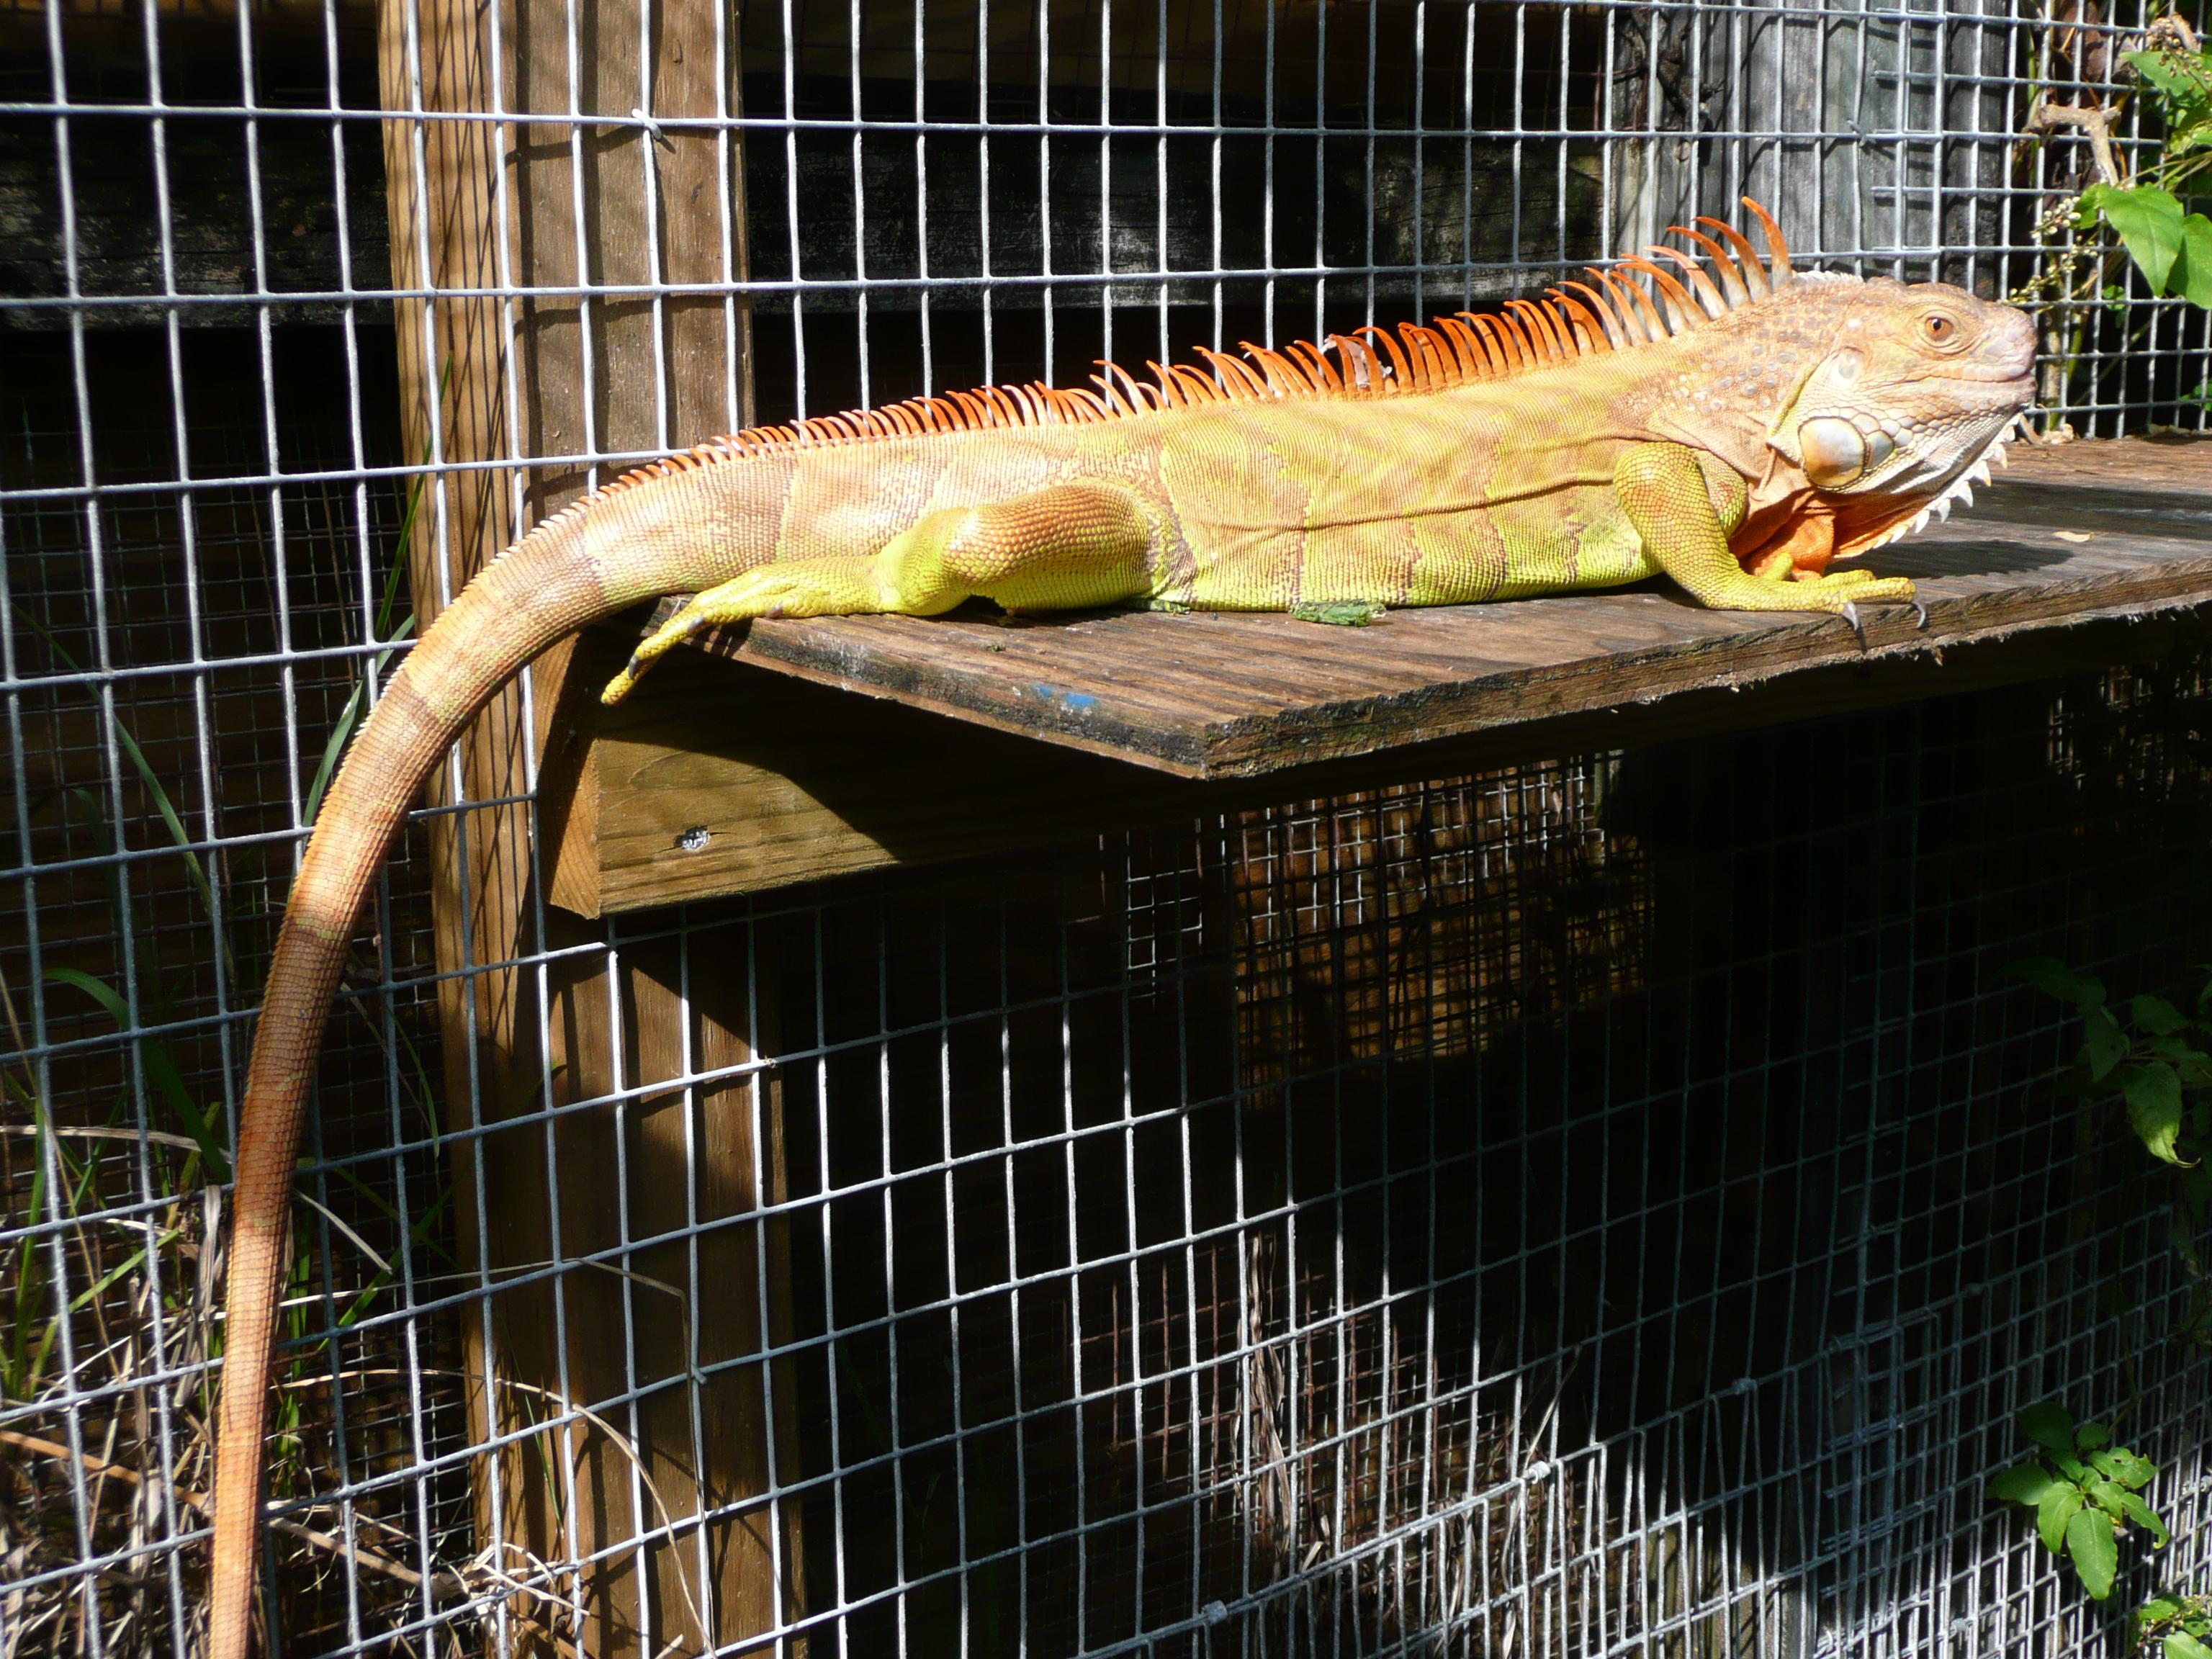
column 1057, row 548
column 1663, row 491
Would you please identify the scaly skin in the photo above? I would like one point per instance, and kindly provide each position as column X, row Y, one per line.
column 1740, row 444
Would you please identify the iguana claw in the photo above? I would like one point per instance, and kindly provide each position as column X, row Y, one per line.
column 1920, row 614
column 1849, row 613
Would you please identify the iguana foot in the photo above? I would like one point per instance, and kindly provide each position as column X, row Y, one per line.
column 1060, row 547
column 1665, row 495
column 1337, row 613
column 814, row 587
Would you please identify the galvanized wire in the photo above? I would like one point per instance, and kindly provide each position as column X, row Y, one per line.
column 1266, row 1236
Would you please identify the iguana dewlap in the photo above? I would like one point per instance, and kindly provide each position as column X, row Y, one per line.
column 1739, row 433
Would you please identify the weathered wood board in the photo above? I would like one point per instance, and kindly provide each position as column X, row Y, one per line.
column 720, row 778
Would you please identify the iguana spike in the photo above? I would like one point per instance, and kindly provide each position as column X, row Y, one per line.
column 1421, row 358
column 1362, row 370
column 1416, row 370
column 1624, row 313
column 1513, row 336
column 1536, row 323
column 1590, row 335
column 1708, row 297
column 1326, row 377
column 1500, row 338
column 1601, row 308
column 1236, row 379
column 1778, row 250
column 1732, row 289
column 1747, row 260
column 1637, row 306
column 1443, row 361
column 1197, row 389
column 1399, row 367
column 1683, row 312
column 1269, row 364
column 1475, row 363
column 1284, row 373
column 1126, row 393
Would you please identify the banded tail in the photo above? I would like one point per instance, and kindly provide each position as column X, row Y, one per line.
column 569, row 571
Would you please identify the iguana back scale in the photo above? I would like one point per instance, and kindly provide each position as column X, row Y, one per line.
column 1738, row 428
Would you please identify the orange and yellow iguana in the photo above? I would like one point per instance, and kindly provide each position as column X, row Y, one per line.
column 1738, row 433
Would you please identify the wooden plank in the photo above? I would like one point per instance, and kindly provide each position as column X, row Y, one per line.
column 727, row 779
column 1214, row 696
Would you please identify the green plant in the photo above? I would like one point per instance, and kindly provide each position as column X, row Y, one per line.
column 2171, row 246
column 2140, row 203
column 2151, row 1058
column 2181, row 1625
column 2084, row 1491
column 2152, row 1061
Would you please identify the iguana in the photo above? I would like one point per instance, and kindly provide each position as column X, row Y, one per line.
column 1737, row 428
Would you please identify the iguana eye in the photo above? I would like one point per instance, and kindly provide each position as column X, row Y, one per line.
column 1940, row 329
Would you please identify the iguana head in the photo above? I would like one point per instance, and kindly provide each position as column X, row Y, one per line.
column 1853, row 408
column 1918, row 384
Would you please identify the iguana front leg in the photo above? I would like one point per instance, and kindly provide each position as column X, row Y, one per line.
column 1663, row 489
column 1058, row 548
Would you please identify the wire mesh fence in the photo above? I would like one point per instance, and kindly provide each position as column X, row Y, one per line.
column 1601, row 1206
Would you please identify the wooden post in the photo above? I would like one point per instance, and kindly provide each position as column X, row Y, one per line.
column 585, row 203
column 439, row 184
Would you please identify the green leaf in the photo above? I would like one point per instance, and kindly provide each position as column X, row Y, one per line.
column 2154, row 1094
column 160, row 1070
column 2094, row 1548
column 2055, row 1514
column 2048, row 1424
column 2148, row 221
column 2192, row 270
column 349, row 717
column 2090, row 1436
column 2157, row 1015
column 2177, row 1049
column 2107, row 1497
column 2185, row 84
column 2049, row 973
column 2104, row 1044
column 2180, row 1645
column 2023, row 1483
column 2137, row 1511
column 2121, row 1465
column 2158, row 1607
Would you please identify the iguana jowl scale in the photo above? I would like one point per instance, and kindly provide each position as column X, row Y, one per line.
column 1740, row 433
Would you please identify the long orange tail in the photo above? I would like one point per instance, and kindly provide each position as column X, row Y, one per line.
column 629, row 545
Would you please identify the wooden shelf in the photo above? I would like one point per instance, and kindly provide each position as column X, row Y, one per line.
column 745, row 774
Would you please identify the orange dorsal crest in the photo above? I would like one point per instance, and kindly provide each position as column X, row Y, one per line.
column 1611, row 312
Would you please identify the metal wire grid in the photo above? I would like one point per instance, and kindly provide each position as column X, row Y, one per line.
column 203, row 497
